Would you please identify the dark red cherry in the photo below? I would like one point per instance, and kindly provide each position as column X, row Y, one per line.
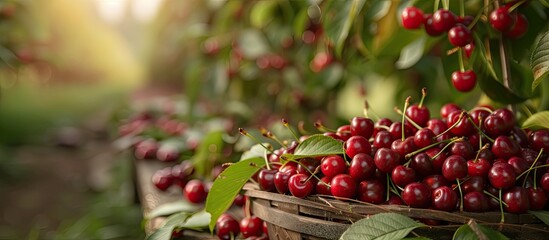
column 383, row 139
column 478, row 115
column 459, row 35
column 469, row 48
column 239, row 200
column 517, row 200
column 429, row 27
column 362, row 167
column 266, row 179
column 475, row 183
column 438, row 161
column 281, row 181
column 344, row 186
column 402, row 175
column 494, row 126
column 182, row 172
column 505, row 147
column 357, row 144
column 412, row 17
column 502, row 175
column 396, row 130
column 544, row 182
column 459, row 124
column 195, row 191
column 509, row 119
column 478, row 167
column 539, row 139
column 416, row 195
column 386, row 159
column 422, row 165
column 537, row 197
column 307, row 166
column 446, row 110
column 299, row 186
column 462, row 148
column 464, row 81
column 466, row 20
column 361, row 126
column 420, row 115
column 519, row 136
column 226, row 227
column 436, row 125
column 454, row 167
column 435, row 181
column 443, row 20
column 163, row 179
column 519, row 164
column 333, row 165
column 475, row 202
column 371, row 191
column 344, row 132
column 519, row 29
column 323, row 186
column 423, row 138
column 394, row 200
column 251, row 226
column 403, row 147
column 501, row 19
column 444, row 198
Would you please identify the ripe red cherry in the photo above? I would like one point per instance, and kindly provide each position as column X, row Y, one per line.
column 463, row 127
column 462, row 148
column 519, row 29
column 516, row 200
column 478, row 167
column 163, row 179
column 419, row 115
column 444, row 198
column 460, row 35
column 403, row 147
column 416, row 195
column 299, row 186
column 402, row 175
column 446, row 110
column 266, row 179
column 251, row 226
column 429, row 27
column 475, row 183
column 544, row 182
column 344, row 132
column 537, row 197
column 502, row 175
column 343, row 186
column 469, row 48
column 195, row 191
column 386, row 159
column 412, row 18
column 494, row 126
column 422, row 165
column 396, row 130
column 464, row 81
column 435, row 181
column 226, row 227
column 438, row 161
column 443, row 20
column 539, row 140
column 323, row 186
column 437, row 126
column 501, row 19
column 508, row 116
column 423, row 138
column 307, row 166
column 505, row 147
column 371, row 191
column 362, row 167
column 475, row 202
column 281, row 181
column 333, row 165
column 357, row 144
column 182, row 172
column 361, row 126
column 146, row 149
column 383, row 139
column 519, row 164
column 454, row 167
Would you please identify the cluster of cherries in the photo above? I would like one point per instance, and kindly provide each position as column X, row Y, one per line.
column 475, row 161
column 504, row 19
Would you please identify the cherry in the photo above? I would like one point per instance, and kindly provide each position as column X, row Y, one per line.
column 386, row 159
column 412, row 18
column 519, row 28
column 333, row 135
column 479, row 114
column 529, row 155
column 424, row 137
column 469, row 48
column 403, row 147
column 464, row 81
column 195, row 191
column 251, row 226
column 356, row 145
column 494, row 126
column 443, row 20
column 419, row 114
column 146, row 149
column 429, row 26
column 333, row 165
column 446, row 110
column 505, row 147
column 181, row 172
column 416, row 195
column 475, row 183
column 371, row 191
column 460, row 35
column 289, row 167
column 239, row 200
column 475, row 202
column 281, row 179
column 422, row 165
column 502, row 175
column 266, row 179
column 344, row 132
column 396, row 130
column 454, row 167
column 362, row 167
column 444, row 198
column 517, row 200
column 463, row 127
column 307, row 166
column 465, row 20
column 501, row 19
column 323, row 186
column 544, row 182
column 162, row 179
column 275, row 156
column 361, row 126
column 478, row 167
column 227, row 227
column 437, row 126
column 344, row 186
column 537, row 197
column 509, row 119
column 462, row 148
column 402, row 175
column 439, row 160
column 299, row 185
column 486, row 154
column 167, row 153
column 539, row 139
column 519, row 164
column 520, row 136
column 383, row 139
column 435, row 181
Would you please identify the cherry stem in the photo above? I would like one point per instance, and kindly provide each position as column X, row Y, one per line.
column 301, row 128
column 461, row 8
column 245, row 133
column 320, row 127
column 460, row 56
column 478, row 152
column 407, row 118
column 482, row 134
column 406, row 103
column 388, row 188
column 367, row 111
column 460, row 196
column 532, row 166
column 409, row 155
column 453, row 125
column 446, row 4
column 287, row 125
column 270, row 135
column 435, row 8
column 516, row 5
column 423, row 95
column 501, row 207
column 446, row 146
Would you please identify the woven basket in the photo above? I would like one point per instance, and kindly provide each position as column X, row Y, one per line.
column 322, row 217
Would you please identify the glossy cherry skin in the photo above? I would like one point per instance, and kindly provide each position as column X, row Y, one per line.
column 163, row 179
column 444, row 20
column 429, row 27
column 519, row 164
column 383, row 139
column 343, row 186
column 362, row 167
column 251, row 226
column 423, row 138
column 519, row 28
column 444, row 198
column 396, row 130
column 505, row 147
column 403, row 147
column 464, row 81
column 539, row 139
column 182, row 172
column 226, row 227
column 469, row 48
column 478, row 167
column 344, row 132
column 195, row 191
column 472, row 184
column 416, row 195
column 422, row 165
column 502, row 176
column 266, row 179
column 544, row 182
column 403, row 176
column 537, row 198
column 412, row 18
column 239, row 200
column 361, row 126
column 509, row 119
column 420, row 115
column 517, row 200
column 386, row 159
column 494, row 126
column 438, row 161
column 371, row 191
column 478, row 115
column 446, row 110
column 307, row 166
column 333, row 165
column 281, row 180
column 299, row 186
column 460, row 35
column 459, row 124
column 454, row 167
column 357, row 144
column 519, row 136
column 323, row 186
column 435, row 181
column 475, row 202
column 462, row 148
column 501, row 19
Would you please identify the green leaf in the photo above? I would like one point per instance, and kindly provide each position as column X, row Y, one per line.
column 315, row 146
column 411, row 54
column 542, row 215
column 173, row 207
column 208, row 152
column 197, row 221
column 228, row 184
column 540, row 60
column 474, row 231
column 416, row 238
column 262, row 13
column 537, row 121
column 382, row 226
column 255, row 151
column 339, row 27
column 165, row 232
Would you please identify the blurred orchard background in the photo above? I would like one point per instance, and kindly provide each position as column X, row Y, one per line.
column 71, row 70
